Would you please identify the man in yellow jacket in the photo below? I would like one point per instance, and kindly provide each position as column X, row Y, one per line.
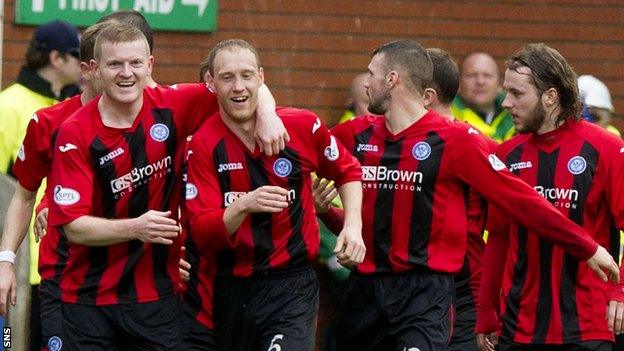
column 480, row 96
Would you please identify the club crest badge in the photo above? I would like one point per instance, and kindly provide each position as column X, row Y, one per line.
column 159, row 132
column 421, row 151
column 577, row 165
column 282, row 167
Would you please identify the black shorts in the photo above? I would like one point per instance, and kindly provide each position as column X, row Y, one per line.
column 274, row 312
column 51, row 315
column 596, row 345
column 396, row 312
column 619, row 343
column 464, row 318
column 196, row 336
column 141, row 326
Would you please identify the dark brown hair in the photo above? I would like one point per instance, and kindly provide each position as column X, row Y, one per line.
column 409, row 57
column 445, row 75
column 549, row 69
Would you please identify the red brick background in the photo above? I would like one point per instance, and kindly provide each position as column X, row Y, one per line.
column 311, row 49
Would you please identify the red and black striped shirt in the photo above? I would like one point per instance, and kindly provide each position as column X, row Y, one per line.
column 221, row 169
column 548, row 296
column 33, row 165
column 415, row 192
column 122, row 173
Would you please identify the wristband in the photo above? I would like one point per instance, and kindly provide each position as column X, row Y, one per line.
column 7, row 256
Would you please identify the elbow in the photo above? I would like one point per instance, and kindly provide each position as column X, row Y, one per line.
column 72, row 234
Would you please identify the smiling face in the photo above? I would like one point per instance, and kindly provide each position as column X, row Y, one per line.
column 123, row 69
column 236, row 81
column 523, row 101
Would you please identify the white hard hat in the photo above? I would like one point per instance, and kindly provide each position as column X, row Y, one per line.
column 594, row 92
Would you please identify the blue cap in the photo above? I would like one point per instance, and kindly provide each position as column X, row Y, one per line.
column 58, row 36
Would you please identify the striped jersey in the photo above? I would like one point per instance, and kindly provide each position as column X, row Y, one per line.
column 118, row 173
column 416, row 185
column 548, row 296
column 221, row 169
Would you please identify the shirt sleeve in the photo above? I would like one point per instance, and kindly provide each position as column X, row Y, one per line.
column 32, row 163
column 71, row 178
column 484, row 171
column 192, row 104
column 492, row 273
column 204, row 200
column 335, row 162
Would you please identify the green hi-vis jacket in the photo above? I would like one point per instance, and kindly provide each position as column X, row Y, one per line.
column 500, row 129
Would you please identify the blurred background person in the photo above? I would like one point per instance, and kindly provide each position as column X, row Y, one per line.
column 597, row 105
column 480, row 97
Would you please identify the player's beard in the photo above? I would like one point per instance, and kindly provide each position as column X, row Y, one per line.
column 378, row 105
column 537, row 118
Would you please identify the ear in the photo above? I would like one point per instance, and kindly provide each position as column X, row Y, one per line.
column 55, row 58
column 86, row 71
column 210, row 81
column 261, row 73
column 392, row 79
column 550, row 98
column 430, row 96
column 95, row 68
column 150, row 65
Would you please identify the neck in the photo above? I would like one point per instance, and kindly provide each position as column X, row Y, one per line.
column 51, row 76
column 119, row 115
column 442, row 110
column 243, row 130
column 403, row 112
column 150, row 82
column 87, row 94
column 550, row 122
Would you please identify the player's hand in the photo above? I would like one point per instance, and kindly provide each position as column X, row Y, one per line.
column 270, row 134
column 602, row 261
column 487, row 342
column 183, row 266
column 350, row 249
column 268, row 198
column 8, row 287
column 41, row 223
column 156, row 227
column 324, row 193
column 615, row 317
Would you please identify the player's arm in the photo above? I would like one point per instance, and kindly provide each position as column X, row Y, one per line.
column 337, row 164
column 152, row 227
column 41, row 218
column 615, row 199
column 16, row 222
column 324, row 193
column 494, row 261
column 270, row 133
column 489, row 176
column 265, row 199
column 350, row 249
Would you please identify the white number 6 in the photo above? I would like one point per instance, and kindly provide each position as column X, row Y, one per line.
column 274, row 346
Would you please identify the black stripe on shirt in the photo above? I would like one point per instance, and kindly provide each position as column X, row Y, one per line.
column 160, row 253
column 361, row 138
column 225, row 258
column 260, row 222
column 382, row 223
column 296, row 247
column 98, row 256
column 546, row 170
column 512, row 300
column 567, row 301
column 422, row 204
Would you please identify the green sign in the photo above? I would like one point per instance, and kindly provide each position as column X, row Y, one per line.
column 177, row 15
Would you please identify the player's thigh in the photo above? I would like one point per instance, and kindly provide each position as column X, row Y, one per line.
column 86, row 328
column 196, row 336
column 152, row 326
column 361, row 325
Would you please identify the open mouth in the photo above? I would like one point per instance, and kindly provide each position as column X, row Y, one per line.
column 240, row 99
column 125, row 84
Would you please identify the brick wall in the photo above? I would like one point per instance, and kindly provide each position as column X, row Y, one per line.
column 311, row 49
